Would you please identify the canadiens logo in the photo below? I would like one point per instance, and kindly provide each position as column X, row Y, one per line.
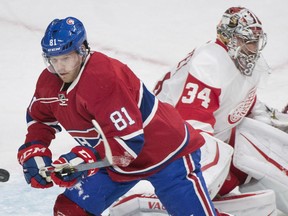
column 62, row 99
column 89, row 137
column 242, row 109
column 70, row 21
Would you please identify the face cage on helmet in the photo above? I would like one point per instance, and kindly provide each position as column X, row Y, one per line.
column 244, row 58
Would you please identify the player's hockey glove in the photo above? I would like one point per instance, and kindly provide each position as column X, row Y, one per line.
column 33, row 157
column 64, row 175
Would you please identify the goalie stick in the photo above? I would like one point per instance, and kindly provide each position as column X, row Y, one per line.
column 107, row 161
column 4, row 175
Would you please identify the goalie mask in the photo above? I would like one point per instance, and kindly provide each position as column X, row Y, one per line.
column 241, row 31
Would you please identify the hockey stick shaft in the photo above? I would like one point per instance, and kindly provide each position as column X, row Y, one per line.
column 108, row 153
column 78, row 168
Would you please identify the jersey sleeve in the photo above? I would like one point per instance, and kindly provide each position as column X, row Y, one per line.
column 198, row 103
column 41, row 123
column 191, row 88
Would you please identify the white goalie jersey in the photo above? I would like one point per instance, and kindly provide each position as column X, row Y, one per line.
column 208, row 90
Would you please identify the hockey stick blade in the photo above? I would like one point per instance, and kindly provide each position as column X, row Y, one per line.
column 4, row 175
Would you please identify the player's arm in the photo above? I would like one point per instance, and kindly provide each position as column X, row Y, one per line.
column 195, row 98
column 122, row 123
column 41, row 122
column 35, row 154
column 197, row 104
column 122, row 112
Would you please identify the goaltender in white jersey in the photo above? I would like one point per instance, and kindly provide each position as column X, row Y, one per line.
column 214, row 89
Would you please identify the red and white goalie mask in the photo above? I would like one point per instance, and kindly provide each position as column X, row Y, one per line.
column 241, row 31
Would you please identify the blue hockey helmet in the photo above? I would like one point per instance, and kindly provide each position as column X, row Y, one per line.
column 63, row 36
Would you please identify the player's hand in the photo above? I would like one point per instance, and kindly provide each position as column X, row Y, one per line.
column 34, row 157
column 64, row 175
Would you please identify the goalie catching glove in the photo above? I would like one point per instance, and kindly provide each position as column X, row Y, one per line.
column 33, row 157
column 64, row 175
column 269, row 115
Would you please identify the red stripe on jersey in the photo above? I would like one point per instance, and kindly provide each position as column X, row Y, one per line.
column 221, row 44
column 159, row 85
column 92, row 134
column 197, row 185
column 215, row 160
column 267, row 158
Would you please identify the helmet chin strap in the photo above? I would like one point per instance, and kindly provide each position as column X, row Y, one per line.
column 84, row 55
column 83, row 51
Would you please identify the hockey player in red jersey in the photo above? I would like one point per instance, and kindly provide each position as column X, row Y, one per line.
column 80, row 86
column 214, row 88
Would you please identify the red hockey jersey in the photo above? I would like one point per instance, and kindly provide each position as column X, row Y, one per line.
column 143, row 133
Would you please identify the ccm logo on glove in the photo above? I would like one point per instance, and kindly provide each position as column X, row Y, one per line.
column 32, row 151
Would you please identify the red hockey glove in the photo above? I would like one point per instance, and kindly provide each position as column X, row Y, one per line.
column 35, row 157
column 78, row 155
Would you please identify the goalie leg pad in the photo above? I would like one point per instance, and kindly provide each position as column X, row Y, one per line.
column 247, row 204
column 261, row 152
column 142, row 205
column 139, row 204
column 281, row 191
column 215, row 161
